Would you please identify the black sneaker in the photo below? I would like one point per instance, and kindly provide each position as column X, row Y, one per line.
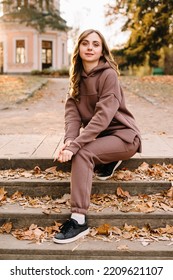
column 107, row 170
column 70, row 231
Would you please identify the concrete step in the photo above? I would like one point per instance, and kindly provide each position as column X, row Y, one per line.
column 87, row 248
column 57, row 188
column 43, row 163
column 25, row 216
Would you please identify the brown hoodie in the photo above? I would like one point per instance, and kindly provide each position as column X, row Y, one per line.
column 101, row 110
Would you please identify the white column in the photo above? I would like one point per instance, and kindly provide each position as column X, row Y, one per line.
column 57, row 4
column 59, row 51
column 35, row 52
column 5, row 54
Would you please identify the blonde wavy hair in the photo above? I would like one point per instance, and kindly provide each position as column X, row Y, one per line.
column 76, row 62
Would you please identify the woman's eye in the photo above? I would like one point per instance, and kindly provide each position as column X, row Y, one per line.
column 84, row 43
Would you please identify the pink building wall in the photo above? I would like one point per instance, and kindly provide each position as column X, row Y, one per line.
column 11, row 32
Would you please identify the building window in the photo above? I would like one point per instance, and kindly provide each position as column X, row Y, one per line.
column 46, row 54
column 26, row 3
column 44, row 4
column 20, row 51
column 21, row 3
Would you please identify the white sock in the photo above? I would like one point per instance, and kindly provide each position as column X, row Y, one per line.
column 80, row 218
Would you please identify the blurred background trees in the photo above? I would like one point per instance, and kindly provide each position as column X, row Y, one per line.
column 38, row 14
column 151, row 33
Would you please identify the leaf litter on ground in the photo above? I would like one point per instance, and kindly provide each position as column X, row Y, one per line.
column 141, row 203
column 49, row 174
column 144, row 172
column 105, row 232
column 121, row 200
column 13, row 88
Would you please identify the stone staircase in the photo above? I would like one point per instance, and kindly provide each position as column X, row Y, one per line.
column 87, row 248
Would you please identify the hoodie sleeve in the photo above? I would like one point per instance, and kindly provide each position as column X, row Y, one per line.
column 106, row 107
column 72, row 120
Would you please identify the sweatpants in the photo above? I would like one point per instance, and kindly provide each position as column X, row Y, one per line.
column 102, row 150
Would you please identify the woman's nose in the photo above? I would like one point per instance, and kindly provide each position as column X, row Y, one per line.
column 90, row 47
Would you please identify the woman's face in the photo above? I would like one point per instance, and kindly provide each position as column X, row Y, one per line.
column 90, row 48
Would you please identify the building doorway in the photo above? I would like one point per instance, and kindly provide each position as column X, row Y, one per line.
column 1, row 58
column 46, row 54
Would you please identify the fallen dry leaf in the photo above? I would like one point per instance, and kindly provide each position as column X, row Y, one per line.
column 51, row 170
column 17, row 195
column 35, row 233
column 166, row 207
column 103, row 229
column 127, row 235
column 37, row 170
column 93, row 232
column 143, row 167
column 2, row 194
column 170, row 193
column 125, row 175
column 144, row 208
column 122, row 193
column 6, row 228
column 115, row 230
column 129, row 227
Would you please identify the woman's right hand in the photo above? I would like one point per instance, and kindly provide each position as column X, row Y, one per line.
column 63, row 147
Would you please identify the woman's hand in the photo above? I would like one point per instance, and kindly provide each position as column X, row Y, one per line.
column 64, row 155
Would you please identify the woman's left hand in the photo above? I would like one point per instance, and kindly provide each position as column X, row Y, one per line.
column 65, row 155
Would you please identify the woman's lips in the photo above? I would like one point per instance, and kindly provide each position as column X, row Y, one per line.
column 90, row 54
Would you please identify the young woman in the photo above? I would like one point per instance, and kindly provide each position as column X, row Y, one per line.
column 99, row 129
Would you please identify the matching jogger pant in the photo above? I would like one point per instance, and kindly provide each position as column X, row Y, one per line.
column 100, row 151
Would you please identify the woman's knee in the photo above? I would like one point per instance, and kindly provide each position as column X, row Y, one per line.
column 84, row 155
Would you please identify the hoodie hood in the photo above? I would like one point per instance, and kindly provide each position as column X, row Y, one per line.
column 100, row 67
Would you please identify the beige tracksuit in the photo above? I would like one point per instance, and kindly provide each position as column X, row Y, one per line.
column 108, row 133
